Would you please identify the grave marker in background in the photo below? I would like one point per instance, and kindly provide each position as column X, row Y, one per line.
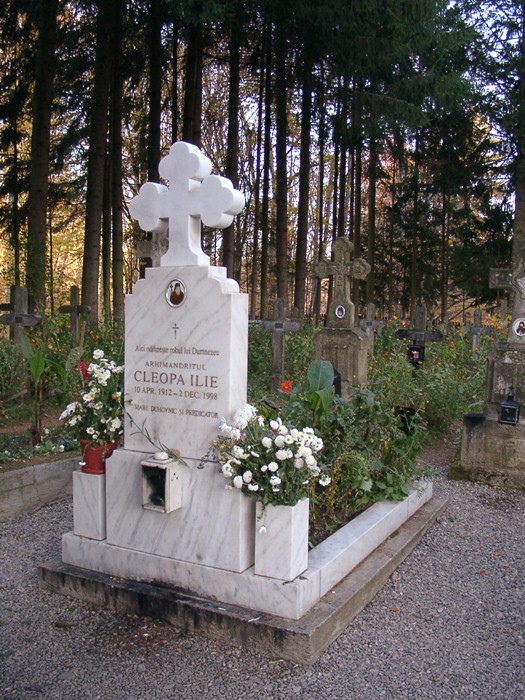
column 419, row 335
column 75, row 309
column 340, row 342
column 18, row 318
column 370, row 325
column 279, row 326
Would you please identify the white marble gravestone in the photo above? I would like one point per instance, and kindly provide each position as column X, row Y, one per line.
column 185, row 368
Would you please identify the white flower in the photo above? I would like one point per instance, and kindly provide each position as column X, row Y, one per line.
column 310, row 461
column 279, row 441
column 283, row 430
column 275, row 481
column 253, row 487
column 244, row 415
column 238, row 452
column 298, row 463
column 237, row 481
column 227, row 469
column 288, row 439
column 114, row 425
column 247, row 476
column 283, row 454
column 264, row 468
column 273, row 466
column 98, row 354
column 274, row 424
column 266, row 442
column 90, row 430
column 325, row 480
column 294, row 433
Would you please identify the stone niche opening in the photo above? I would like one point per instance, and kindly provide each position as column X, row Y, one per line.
column 162, row 487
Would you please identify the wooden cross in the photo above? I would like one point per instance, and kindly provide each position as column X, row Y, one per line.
column 341, row 311
column 75, row 309
column 153, row 248
column 18, row 318
column 501, row 278
column 419, row 334
column 370, row 325
column 476, row 329
column 193, row 196
column 278, row 326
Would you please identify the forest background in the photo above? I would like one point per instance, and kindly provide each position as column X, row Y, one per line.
column 396, row 123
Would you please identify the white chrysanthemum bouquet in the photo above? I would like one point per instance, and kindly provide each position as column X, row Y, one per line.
column 269, row 461
column 97, row 415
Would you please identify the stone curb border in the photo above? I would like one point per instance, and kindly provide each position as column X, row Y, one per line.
column 28, row 489
column 300, row 641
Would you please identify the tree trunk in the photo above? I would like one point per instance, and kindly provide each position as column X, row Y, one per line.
column 155, row 82
column 415, row 252
column 304, row 185
column 191, row 123
column 265, row 233
column 281, row 177
column 39, row 169
column 175, row 83
column 257, row 195
column 96, row 161
column 116, row 170
column 232, row 153
column 371, row 238
column 106, row 237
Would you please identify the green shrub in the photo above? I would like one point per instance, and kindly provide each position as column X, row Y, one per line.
column 13, row 371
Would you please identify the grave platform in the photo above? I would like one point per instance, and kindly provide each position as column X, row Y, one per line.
column 300, row 640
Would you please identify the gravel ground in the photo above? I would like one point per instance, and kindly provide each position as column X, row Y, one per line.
column 448, row 624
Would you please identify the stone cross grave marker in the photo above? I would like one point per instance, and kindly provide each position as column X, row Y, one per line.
column 340, row 342
column 18, row 318
column 75, row 309
column 278, row 327
column 370, row 325
column 153, row 248
column 476, row 329
column 193, row 195
column 341, row 310
column 419, row 335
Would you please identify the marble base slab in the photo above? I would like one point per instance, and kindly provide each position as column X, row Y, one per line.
column 215, row 527
column 89, row 505
column 328, row 563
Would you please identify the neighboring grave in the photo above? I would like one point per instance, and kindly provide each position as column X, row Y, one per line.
column 371, row 325
column 475, row 329
column 340, row 341
column 279, row 326
column 75, row 309
column 492, row 450
column 153, row 247
column 18, row 317
column 419, row 335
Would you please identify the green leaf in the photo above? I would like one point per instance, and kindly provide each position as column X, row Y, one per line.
column 320, row 374
column 366, row 484
column 26, row 348
column 36, row 366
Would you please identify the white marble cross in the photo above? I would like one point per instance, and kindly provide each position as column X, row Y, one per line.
column 193, row 195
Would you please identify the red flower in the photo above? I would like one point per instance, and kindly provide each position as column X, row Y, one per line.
column 286, row 386
column 451, row 344
column 84, row 371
